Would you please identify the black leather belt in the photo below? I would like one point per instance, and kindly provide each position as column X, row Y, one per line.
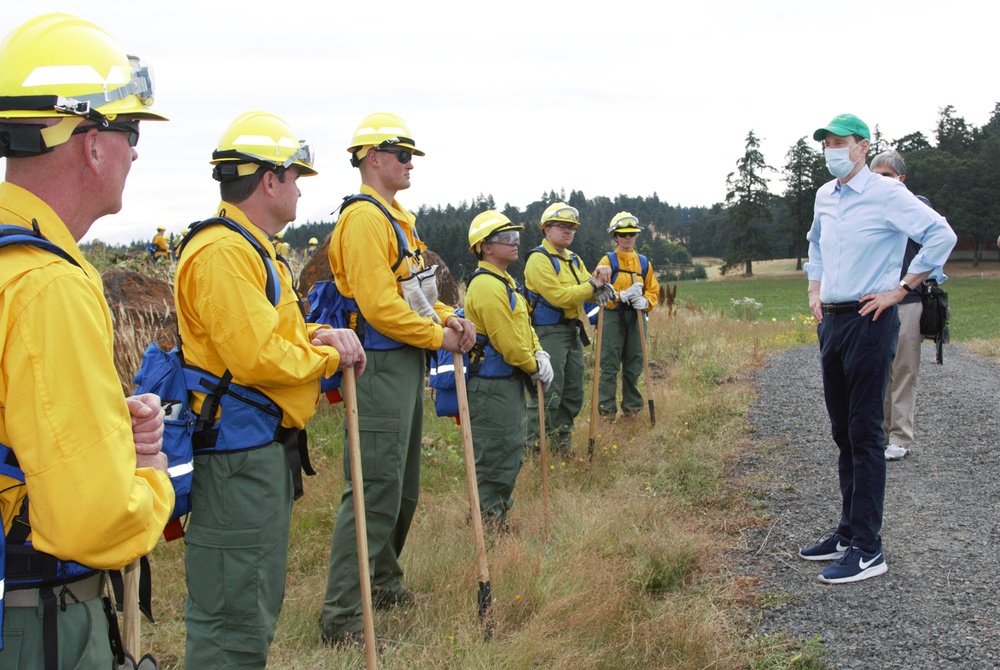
column 840, row 307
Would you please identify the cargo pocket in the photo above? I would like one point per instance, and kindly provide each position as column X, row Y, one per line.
column 222, row 566
column 379, row 447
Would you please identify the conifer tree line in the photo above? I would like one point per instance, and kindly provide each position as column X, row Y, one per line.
column 958, row 169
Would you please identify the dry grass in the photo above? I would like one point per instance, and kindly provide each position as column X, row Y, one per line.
column 631, row 575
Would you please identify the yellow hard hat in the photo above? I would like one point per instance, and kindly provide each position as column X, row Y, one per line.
column 313, row 240
column 623, row 222
column 258, row 139
column 557, row 212
column 381, row 129
column 160, row 228
column 487, row 223
column 60, row 66
column 278, row 235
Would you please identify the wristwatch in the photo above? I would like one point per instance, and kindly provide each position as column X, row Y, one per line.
column 902, row 282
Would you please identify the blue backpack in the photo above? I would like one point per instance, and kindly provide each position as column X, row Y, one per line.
column 327, row 305
column 483, row 360
column 544, row 313
column 253, row 418
column 21, row 567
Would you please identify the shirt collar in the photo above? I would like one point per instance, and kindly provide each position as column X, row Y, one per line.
column 858, row 181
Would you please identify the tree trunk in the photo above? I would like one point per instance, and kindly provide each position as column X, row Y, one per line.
column 749, row 268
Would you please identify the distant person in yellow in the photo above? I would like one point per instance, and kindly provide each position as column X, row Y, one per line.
column 160, row 246
column 637, row 288
column 82, row 478
column 281, row 247
column 377, row 262
column 557, row 284
column 506, row 357
column 313, row 242
column 248, row 470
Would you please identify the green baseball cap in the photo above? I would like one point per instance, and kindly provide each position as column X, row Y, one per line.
column 843, row 125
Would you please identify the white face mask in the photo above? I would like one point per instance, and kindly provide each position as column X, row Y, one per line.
column 838, row 161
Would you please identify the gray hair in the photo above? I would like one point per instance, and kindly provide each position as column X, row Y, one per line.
column 892, row 159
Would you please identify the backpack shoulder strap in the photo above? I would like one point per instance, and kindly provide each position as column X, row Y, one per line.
column 542, row 250
column 401, row 244
column 273, row 288
column 613, row 260
column 11, row 234
column 511, row 293
column 643, row 266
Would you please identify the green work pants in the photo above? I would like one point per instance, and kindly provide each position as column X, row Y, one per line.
column 390, row 422
column 82, row 631
column 564, row 399
column 621, row 349
column 496, row 410
column 237, row 550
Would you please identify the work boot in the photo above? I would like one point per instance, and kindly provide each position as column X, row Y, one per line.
column 384, row 599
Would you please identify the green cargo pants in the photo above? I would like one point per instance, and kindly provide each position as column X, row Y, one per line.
column 82, row 631
column 621, row 349
column 237, row 550
column 496, row 411
column 390, row 421
column 564, row 399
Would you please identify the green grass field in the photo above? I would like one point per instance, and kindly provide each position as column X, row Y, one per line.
column 974, row 313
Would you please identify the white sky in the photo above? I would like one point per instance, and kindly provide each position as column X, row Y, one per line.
column 516, row 98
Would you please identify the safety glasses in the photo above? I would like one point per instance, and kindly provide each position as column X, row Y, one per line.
column 509, row 238
column 562, row 226
column 130, row 127
column 404, row 156
column 626, row 234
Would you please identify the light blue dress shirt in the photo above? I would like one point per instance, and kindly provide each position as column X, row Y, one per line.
column 859, row 233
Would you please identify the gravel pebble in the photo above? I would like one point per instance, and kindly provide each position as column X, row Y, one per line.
column 938, row 605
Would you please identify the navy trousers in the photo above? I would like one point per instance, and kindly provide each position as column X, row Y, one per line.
column 856, row 357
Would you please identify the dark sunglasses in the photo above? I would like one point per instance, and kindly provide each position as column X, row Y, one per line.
column 404, row 156
column 626, row 234
column 130, row 127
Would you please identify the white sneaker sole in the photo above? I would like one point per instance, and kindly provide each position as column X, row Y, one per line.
column 873, row 571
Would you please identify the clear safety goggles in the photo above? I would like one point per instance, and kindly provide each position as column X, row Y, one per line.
column 507, row 237
column 130, row 127
column 566, row 214
column 304, row 155
column 141, row 85
column 627, row 222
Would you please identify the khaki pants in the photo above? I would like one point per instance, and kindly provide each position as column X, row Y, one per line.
column 901, row 396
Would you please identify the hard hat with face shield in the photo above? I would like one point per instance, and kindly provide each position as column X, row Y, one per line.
column 58, row 66
column 258, row 139
column 623, row 222
column 560, row 212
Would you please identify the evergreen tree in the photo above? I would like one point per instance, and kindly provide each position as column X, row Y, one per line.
column 804, row 173
column 748, row 214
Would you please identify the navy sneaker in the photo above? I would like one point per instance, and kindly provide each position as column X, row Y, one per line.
column 829, row 549
column 855, row 566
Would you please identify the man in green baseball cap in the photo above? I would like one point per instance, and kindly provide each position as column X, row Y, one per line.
column 843, row 125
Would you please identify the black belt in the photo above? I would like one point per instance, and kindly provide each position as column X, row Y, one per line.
column 840, row 307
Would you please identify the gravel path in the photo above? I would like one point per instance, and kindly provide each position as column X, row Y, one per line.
column 938, row 606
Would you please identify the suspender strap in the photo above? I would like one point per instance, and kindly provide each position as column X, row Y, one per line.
column 296, row 444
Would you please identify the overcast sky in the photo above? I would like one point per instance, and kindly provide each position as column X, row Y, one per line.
column 516, row 98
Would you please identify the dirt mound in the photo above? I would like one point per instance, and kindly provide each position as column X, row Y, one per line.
column 318, row 269
column 142, row 309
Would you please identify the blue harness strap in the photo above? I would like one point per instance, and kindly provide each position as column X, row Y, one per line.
column 19, row 235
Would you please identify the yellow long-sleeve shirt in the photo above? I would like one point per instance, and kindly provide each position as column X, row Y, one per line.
column 62, row 409
column 630, row 269
column 226, row 320
column 567, row 290
column 487, row 306
column 160, row 242
column 363, row 249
